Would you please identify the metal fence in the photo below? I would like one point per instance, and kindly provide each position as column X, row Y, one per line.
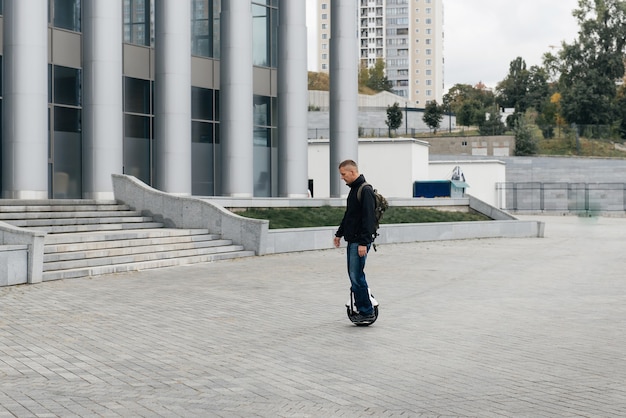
column 562, row 197
column 324, row 133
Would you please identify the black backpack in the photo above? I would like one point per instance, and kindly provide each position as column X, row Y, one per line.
column 380, row 207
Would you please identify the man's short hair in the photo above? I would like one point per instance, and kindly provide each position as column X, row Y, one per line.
column 348, row 163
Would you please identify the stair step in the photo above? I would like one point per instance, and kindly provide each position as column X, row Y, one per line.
column 34, row 223
column 96, row 227
column 59, row 205
column 86, row 214
column 126, row 248
column 99, row 240
column 135, row 258
column 90, row 238
column 145, row 265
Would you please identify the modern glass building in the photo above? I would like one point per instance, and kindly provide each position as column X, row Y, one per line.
column 193, row 97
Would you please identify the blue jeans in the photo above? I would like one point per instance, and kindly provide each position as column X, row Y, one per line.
column 358, row 284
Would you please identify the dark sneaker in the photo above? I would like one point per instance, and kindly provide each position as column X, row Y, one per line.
column 363, row 319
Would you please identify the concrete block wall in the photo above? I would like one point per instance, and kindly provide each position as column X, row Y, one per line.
column 494, row 146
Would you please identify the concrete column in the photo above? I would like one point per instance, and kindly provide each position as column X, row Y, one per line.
column 292, row 100
column 103, row 129
column 236, row 95
column 172, row 96
column 344, row 90
column 25, row 100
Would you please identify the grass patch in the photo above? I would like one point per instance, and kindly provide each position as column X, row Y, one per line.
column 331, row 216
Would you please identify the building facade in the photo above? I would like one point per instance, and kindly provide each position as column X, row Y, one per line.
column 182, row 94
column 406, row 34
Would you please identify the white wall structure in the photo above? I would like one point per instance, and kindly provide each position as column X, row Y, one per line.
column 481, row 175
column 390, row 166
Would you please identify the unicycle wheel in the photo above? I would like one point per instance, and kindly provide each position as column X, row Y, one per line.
column 352, row 315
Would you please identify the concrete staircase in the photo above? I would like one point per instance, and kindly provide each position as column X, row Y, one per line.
column 90, row 238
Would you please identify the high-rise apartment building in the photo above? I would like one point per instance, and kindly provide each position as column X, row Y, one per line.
column 406, row 34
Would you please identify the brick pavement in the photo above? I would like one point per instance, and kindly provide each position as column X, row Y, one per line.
column 475, row 328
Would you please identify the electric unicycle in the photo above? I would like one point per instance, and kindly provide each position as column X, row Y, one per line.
column 352, row 311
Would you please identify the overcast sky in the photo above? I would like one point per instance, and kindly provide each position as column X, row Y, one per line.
column 482, row 37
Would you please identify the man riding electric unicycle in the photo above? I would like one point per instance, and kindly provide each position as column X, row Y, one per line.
column 358, row 228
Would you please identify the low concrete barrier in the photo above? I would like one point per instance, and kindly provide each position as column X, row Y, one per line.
column 301, row 239
column 319, row 238
column 33, row 241
column 190, row 212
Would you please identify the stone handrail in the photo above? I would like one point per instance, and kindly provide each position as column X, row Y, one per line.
column 189, row 212
column 34, row 240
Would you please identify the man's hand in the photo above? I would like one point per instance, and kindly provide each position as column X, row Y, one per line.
column 337, row 241
column 362, row 250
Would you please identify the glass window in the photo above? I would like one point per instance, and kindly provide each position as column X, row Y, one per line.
column 202, row 159
column 264, row 132
column 67, row 86
column 137, row 147
column 260, row 36
column 265, row 35
column 137, row 22
column 201, row 20
column 67, row 153
column 138, row 129
column 66, row 14
column 137, row 95
column 201, row 103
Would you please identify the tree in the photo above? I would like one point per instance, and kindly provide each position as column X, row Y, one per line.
column 512, row 90
column 588, row 68
column 469, row 103
column 525, row 139
column 375, row 77
column 492, row 125
column 394, row 117
column 433, row 115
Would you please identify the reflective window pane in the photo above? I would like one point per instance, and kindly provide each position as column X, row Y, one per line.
column 137, row 147
column 202, row 159
column 137, row 95
column 67, row 14
column 67, row 86
column 67, row 168
column 260, row 36
column 201, row 103
column 201, row 19
column 137, row 22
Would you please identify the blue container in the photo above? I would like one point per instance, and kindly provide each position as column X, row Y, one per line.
column 439, row 188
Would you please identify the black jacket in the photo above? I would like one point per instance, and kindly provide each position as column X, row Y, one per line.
column 359, row 220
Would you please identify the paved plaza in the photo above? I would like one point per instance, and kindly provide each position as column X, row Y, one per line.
column 476, row 328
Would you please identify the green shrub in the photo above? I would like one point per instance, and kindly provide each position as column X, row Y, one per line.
column 331, row 216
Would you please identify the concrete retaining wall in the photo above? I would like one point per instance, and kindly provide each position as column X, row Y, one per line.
column 12, row 236
column 188, row 212
column 13, row 264
column 503, row 225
